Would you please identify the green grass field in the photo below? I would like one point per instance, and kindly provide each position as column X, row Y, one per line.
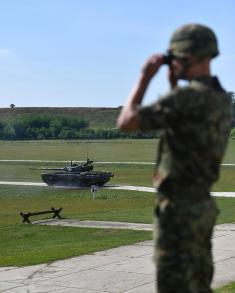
column 143, row 150
column 28, row 244
column 109, row 150
column 24, row 244
column 140, row 175
column 99, row 150
column 230, row 288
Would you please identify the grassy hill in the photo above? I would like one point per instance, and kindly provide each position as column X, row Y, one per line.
column 96, row 117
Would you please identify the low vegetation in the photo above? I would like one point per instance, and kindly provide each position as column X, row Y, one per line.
column 230, row 288
column 25, row 244
column 48, row 124
column 233, row 133
column 66, row 123
column 134, row 150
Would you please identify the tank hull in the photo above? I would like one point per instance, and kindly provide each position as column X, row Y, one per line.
column 83, row 179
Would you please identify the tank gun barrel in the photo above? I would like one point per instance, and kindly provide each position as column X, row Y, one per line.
column 46, row 168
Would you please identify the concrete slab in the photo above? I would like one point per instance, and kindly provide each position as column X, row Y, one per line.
column 130, row 251
column 72, row 290
column 222, row 255
column 3, row 269
column 76, row 290
column 150, row 288
column 140, row 265
column 127, row 269
column 32, row 289
column 224, row 272
column 9, row 287
column 225, row 227
column 95, row 224
column 88, row 262
column 19, row 275
column 225, row 243
column 103, row 280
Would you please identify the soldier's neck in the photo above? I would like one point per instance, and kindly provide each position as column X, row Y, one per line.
column 199, row 69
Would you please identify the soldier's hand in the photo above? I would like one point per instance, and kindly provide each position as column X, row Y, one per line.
column 152, row 66
column 171, row 77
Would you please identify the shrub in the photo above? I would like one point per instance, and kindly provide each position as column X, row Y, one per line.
column 232, row 133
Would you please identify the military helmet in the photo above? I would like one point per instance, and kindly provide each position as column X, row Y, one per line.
column 194, row 39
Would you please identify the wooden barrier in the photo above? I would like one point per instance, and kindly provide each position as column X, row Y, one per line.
column 55, row 212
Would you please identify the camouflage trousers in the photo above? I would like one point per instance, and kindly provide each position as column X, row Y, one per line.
column 183, row 245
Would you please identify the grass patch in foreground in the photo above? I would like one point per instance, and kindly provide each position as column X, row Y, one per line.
column 230, row 288
column 30, row 244
column 110, row 205
column 226, row 207
column 23, row 244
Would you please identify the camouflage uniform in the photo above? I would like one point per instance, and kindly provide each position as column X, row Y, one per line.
column 194, row 122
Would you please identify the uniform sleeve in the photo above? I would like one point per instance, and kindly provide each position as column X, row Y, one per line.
column 163, row 113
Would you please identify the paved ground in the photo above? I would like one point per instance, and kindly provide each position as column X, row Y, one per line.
column 128, row 269
column 117, row 187
column 95, row 224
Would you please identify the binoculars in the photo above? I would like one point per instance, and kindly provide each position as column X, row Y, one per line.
column 167, row 58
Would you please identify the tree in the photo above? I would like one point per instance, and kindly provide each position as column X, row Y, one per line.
column 232, row 134
column 2, row 125
column 232, row 95
column 20, row 127
column 8, row 132
column 12, row 106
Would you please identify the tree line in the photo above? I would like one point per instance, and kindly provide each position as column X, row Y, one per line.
column 45, row 126
column 232, row 95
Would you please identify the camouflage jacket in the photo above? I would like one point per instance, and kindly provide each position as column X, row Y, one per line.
column 195, row 123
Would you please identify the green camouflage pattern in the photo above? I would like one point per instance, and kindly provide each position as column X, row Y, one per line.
column 194, row 39
column 183, row 244
column 195, row 123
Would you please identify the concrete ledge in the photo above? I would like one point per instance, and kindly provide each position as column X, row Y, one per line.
column 95, row 224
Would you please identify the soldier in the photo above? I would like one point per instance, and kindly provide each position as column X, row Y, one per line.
column 194, row 122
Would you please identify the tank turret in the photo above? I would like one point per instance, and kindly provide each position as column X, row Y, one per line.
column 76, row 175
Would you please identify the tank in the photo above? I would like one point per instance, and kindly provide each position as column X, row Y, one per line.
column 76, row 175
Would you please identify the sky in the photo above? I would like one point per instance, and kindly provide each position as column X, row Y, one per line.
column 89, row 53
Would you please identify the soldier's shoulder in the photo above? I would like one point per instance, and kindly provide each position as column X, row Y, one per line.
column 181, row 94
column 179, row 91
column 194, row 89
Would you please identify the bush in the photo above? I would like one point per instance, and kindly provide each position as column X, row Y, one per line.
column 44, row 126
column 232, row 133
column 8, row 133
